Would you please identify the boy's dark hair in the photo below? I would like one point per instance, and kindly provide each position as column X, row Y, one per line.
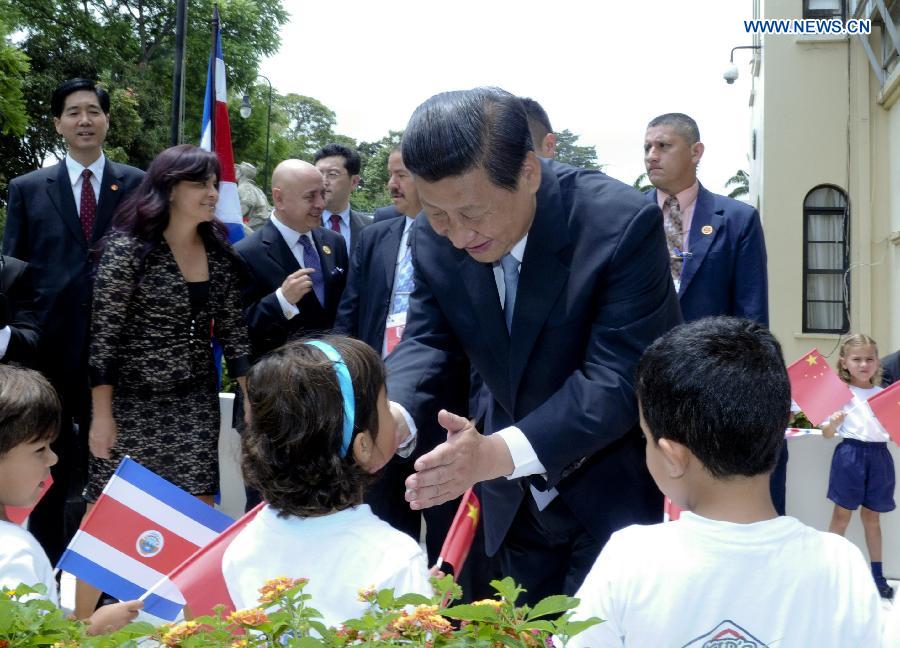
column 291, row 448
column 29, row 408
column 64, row 89
column 352, row 161
column 719, row 387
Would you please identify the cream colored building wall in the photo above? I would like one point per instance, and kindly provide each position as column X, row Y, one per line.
column 818, row 121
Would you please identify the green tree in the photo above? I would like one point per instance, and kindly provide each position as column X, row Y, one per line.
column 129, row 45
column 642, row 183
column 372, row 191
column 13, row 68
column 13, row 110
column 741, row 183
column 568, row 151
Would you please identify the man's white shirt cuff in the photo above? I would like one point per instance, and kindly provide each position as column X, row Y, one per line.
column 287, row 308
column 5, row 336
column 524, row 458
column 409, row 444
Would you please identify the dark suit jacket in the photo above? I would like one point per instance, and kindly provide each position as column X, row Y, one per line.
column 358, row 221
column 144, row 335
column 18, row 291
column 891, row 366
column 364, row 306
column 269, row 260
column 43, row 229
column 726, row 272
column 384, row 213
column 594, row 291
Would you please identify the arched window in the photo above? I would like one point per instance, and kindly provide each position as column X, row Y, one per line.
column 826, row 259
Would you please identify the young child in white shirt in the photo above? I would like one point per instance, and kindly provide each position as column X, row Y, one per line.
column 714, row 399
column 29, row 421
column 862, row 469
column 319, row 428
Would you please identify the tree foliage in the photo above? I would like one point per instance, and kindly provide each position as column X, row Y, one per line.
column 570, row 152
column 741, row 183
column 642, row 183
column 129, row 45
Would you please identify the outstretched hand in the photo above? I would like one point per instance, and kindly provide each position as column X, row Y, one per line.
column 463, row 460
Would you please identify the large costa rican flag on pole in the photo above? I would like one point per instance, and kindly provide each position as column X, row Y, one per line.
column 141, row 528
column 216, row 136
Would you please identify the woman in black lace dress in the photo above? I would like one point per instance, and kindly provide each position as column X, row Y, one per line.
column 166, row 281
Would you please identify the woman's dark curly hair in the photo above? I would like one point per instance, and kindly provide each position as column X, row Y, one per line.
column 144, row 214
column 291, row 448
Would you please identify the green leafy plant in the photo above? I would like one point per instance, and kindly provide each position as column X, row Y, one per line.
column 27, row 619
column 286, row 617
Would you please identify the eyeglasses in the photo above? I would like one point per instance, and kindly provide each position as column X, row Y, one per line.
column 332, row 175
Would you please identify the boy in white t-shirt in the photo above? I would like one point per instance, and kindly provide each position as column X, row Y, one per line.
column 29, row 420
column 714, row 400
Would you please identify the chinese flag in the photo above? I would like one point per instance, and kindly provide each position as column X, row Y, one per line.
column 886, row 407
column 462, row 532
column 816, row 388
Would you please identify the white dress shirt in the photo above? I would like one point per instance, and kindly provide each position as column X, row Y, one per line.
column 292, row 238
column 75, row 169
column 345, row 223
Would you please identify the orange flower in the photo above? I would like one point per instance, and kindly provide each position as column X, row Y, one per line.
column 423, row 619
column 251, row 617
column 274, row 588
column 173, row 635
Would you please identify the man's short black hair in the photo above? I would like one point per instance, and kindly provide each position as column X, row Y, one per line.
column 683, row 124
column 351, row 157
column 719, row 387
column 64, row 89
column 538, row 121
column 453, row 133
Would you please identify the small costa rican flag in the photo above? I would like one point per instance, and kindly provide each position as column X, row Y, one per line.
column 216, row 136
column 141, row 528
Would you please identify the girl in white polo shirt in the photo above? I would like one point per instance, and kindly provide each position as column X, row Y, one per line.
column 320, row 427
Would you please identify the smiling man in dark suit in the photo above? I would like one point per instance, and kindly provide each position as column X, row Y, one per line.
column 55, row 216
column 550, row 281
column 298, row 269
column 716, row 244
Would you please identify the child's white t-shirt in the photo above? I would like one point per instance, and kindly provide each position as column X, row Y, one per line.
column 339, row 553
column 860, row 423
column 22, row 560
column 689, row 582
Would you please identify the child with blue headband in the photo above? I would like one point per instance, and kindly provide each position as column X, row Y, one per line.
column 320, row 428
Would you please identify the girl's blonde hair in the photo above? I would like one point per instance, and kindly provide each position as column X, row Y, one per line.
column 858, row 340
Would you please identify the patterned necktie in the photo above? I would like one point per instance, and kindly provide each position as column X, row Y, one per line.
column 335, row 223
column 510, row 266
column 311, row 260
column 674, row 235
column 403, row 282
column 88, row 206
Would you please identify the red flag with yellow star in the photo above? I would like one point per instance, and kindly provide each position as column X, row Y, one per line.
column 461, row 534
column 886, row 407
column 816, row 388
